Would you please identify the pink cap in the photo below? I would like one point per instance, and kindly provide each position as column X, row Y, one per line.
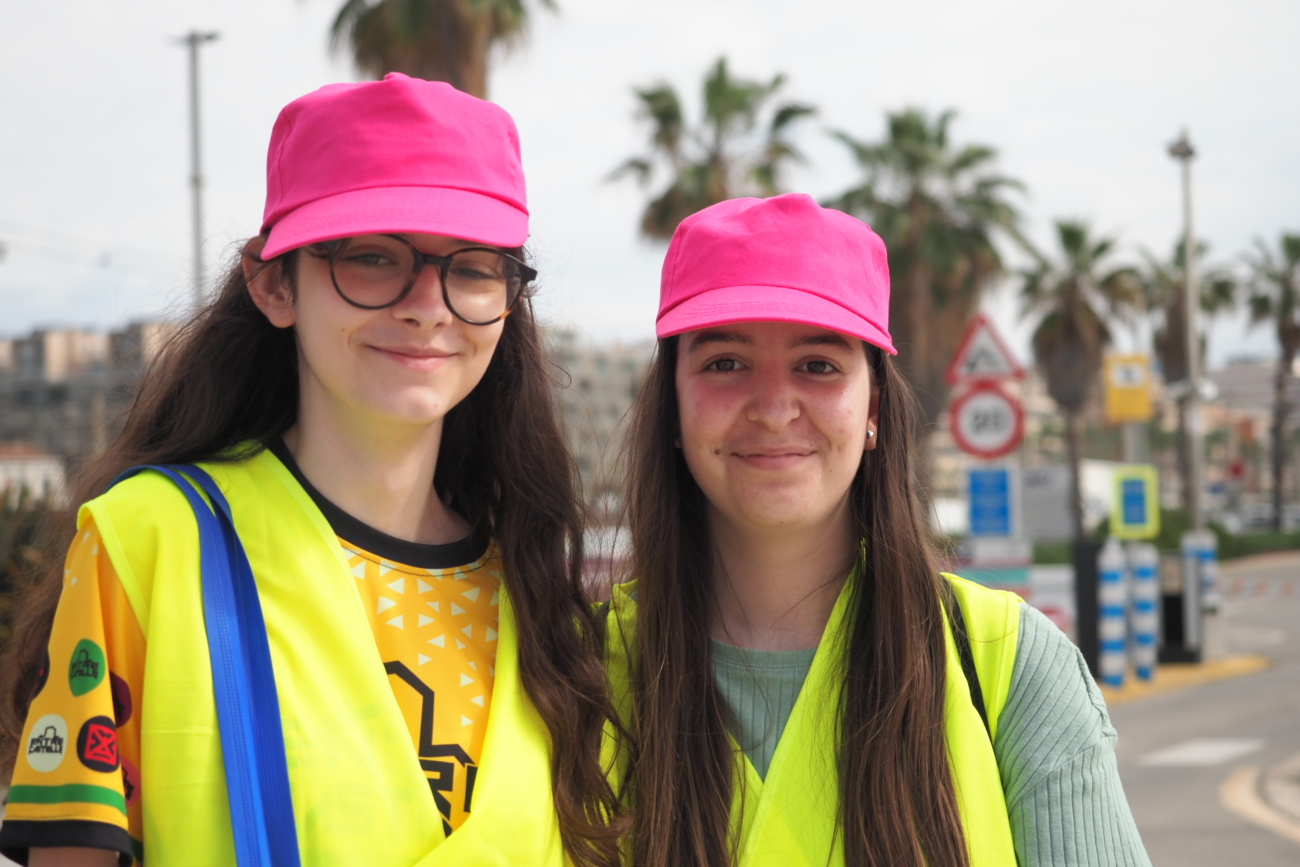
column 398, row 155
column 783, row 259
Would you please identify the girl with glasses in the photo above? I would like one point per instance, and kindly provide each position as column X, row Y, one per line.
column 368, row 391
column 801, row 684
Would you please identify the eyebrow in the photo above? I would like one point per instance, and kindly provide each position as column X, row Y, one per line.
column 831, row 339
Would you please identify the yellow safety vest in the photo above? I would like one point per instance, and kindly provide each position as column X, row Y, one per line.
column 791, row 818
column 359, row 794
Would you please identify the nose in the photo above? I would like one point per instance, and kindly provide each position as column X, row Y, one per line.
column 425, row 306
column 773, row 402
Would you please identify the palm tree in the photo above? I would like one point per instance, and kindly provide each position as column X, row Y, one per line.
column 1075, row 301
column 1275, row 297
column 439, row 40
column 1165, row 300
column 937, row 206
column 730, row 153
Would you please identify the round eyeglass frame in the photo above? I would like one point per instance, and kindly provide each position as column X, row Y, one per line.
column 526, row 275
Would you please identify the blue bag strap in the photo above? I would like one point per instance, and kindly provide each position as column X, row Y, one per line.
column 248, row 708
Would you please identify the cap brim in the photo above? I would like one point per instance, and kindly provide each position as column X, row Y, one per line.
column 733, row 304
column 462, row 214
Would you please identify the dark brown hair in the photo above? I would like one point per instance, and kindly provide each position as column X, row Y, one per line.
column 898, row 806
column 230, row 378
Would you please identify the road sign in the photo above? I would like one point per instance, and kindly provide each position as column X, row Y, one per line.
column 1045, row 501
column 986, row 421
column 982, row 354
column 992, row 501
column 1128, row 388
column 1136, row 511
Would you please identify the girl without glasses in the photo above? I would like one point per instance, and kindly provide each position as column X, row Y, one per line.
column 802, row 685
column 369, row 391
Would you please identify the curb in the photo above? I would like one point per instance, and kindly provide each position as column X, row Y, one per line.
column 1171, row 677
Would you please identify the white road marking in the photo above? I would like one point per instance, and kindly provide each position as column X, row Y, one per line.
column 1203, row 752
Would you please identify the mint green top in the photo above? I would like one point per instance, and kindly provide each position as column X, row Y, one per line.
column 1055, row 747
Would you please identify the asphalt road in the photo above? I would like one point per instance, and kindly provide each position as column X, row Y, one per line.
column 1249, row 720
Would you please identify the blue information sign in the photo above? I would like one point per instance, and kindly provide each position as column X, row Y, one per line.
column 990, row 502
column 1133, row 497
column 1135, row 513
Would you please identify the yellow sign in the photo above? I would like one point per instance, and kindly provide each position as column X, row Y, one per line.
column 1128, row 388
column 1135, row 513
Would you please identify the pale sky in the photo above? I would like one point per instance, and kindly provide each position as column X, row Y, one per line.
column 1080, row 100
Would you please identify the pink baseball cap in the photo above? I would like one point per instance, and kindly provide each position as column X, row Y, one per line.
column 783, row 259
column 398, row 155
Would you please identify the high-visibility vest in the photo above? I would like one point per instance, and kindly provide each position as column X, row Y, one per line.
column 791, row 818
column 359, row 793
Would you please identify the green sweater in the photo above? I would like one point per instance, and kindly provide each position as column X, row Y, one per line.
column 1055, row 747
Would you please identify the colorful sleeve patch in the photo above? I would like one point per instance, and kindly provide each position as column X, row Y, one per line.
column 78, row 763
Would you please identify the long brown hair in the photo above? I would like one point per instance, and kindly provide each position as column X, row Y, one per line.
column 231, row 378
column 898, row 805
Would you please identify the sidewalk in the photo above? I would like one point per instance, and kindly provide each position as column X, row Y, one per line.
column 1181, row 676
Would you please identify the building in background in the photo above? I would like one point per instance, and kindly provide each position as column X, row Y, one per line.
column 26, row 471
column 65, row 392
column 598, row 385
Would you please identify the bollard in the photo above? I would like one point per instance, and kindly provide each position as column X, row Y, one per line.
column 1144, row 562
column 1209, row 565
column 1113, row 595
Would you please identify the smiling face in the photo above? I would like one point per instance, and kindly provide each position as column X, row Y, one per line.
column 774, row 420
column 405, row 365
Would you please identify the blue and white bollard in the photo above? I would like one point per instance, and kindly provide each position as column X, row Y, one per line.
column 1113, row 596
column 1144, row 561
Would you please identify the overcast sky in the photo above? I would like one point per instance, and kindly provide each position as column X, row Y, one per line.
column 1080, row 100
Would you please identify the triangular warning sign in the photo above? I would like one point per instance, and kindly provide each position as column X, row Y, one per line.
column 982, row 355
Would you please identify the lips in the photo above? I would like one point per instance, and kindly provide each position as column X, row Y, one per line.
column 415, row 352
column 415, row 358
column 772, row 459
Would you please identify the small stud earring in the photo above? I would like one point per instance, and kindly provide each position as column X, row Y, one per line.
column 870, row 434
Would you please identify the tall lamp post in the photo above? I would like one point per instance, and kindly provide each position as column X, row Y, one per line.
column 1194, row 561
column 193, row 40
column 1183, row 151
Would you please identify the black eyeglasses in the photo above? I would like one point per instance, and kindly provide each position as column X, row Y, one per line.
column 479, row 284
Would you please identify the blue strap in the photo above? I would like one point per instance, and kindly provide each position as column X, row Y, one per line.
column 248, row 707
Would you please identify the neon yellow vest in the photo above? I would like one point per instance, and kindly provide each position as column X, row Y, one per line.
column 790, row 819
column 359, row 795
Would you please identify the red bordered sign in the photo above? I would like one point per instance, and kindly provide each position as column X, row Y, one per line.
column 982, row 355
column 986, row 421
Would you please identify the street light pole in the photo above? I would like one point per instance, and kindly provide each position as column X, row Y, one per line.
column 193, row 40
column 1197, row 549
column 1182, row 151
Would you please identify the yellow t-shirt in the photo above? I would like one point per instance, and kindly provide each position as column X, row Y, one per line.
column 434, row 613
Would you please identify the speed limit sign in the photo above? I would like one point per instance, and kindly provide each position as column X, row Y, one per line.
column 986, row 421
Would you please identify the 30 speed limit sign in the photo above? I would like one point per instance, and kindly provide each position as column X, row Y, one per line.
column 986, row 421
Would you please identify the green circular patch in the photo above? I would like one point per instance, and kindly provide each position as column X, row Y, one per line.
column 87, row 669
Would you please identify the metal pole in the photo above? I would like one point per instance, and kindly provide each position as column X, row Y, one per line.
column 193, row 40
column 1182, row 151
column 1194, row 621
